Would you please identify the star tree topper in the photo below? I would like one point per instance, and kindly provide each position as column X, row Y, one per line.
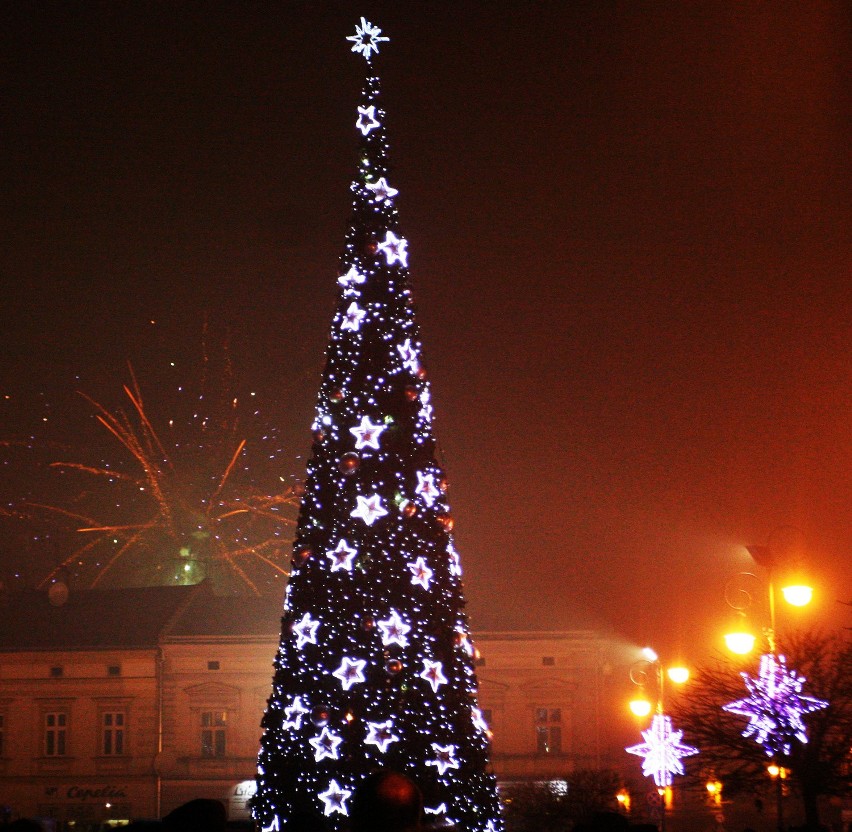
column 662, row 751
column 775, row 705
column 367, row 38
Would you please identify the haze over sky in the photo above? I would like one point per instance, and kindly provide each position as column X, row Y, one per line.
column 629, row 235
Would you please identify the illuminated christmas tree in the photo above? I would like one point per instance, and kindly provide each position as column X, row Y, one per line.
column 375, row 666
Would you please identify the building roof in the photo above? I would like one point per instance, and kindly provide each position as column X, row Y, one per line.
column 229, row 615
column 91, row 619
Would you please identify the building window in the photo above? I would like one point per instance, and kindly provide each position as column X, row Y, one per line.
column 548, row 730
column 213, row 725
column 112, row 733
column 548, row 661
column 55, row 727
column 57, row 672
column 212, row 665
column 113, row 670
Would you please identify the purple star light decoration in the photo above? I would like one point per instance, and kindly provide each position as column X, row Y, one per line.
column 662, row 751
column 775, row 706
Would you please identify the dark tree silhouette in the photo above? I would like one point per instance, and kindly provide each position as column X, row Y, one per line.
column 817, row 768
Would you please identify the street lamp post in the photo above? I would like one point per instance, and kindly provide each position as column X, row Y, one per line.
column 774, row 705
column 662, row 750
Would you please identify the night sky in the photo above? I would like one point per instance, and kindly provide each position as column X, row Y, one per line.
column 629, row 235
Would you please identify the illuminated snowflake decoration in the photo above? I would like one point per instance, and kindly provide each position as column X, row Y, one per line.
column 382, row 192
column 342, row 556
column 775, row 706
column 421, row 574
column 381, row 735
column 353, row 317
column 426, row 488
column 306, row 630
column 334, row 798
column 367, row 38
column 367, row 120
column 294, row 714
column 433, row 673
column 394, row 630
column 325, row 745
column 367, row 434
column 662, row 751
column 444, row 757
column 350, row 672
column 395, row 249
column 369, row 509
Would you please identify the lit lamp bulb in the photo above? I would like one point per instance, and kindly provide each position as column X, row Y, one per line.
column 798, row 595
column 640, row 707
column 678, row 674
column 741, row 642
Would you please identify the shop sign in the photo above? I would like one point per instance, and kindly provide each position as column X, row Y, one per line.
column 83, row 794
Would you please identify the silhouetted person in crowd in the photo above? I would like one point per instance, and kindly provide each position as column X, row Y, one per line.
column 199, row 815
column 23, row 825
column 386, row 801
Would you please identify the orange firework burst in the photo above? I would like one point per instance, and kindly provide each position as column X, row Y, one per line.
column 179, row 505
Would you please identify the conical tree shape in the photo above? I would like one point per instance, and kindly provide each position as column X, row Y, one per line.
column 375, row 667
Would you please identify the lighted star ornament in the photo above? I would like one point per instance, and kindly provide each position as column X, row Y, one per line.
column 335, row 799
column 394, row 630
column 381, row 735
column 306, row 630
column 342, row 557
column 366, row 38
column 662, row 751
column 369, row 509
column 367, row 434
column 381, row 190
column 325, row 745
column 775, row 706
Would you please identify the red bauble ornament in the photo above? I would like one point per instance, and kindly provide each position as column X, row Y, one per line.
column 301, row 555
column 446, row 521
column 393, row 666
column 421, row 373
column 349, row 463
column 319, row 435
column 371, row 246
column 368, row 623
column 319, row 717
column 337, row 395
column 409, row 510
column 443, row 484
column 411, row 393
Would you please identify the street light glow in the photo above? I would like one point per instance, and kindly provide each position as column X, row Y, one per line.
column 640, row 707
column 678, row 674
column 798, row 595
column 740, row 643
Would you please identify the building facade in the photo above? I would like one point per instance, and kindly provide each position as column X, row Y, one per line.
column 127, row 703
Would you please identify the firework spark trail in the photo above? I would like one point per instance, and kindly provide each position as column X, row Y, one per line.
column 187, row 515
